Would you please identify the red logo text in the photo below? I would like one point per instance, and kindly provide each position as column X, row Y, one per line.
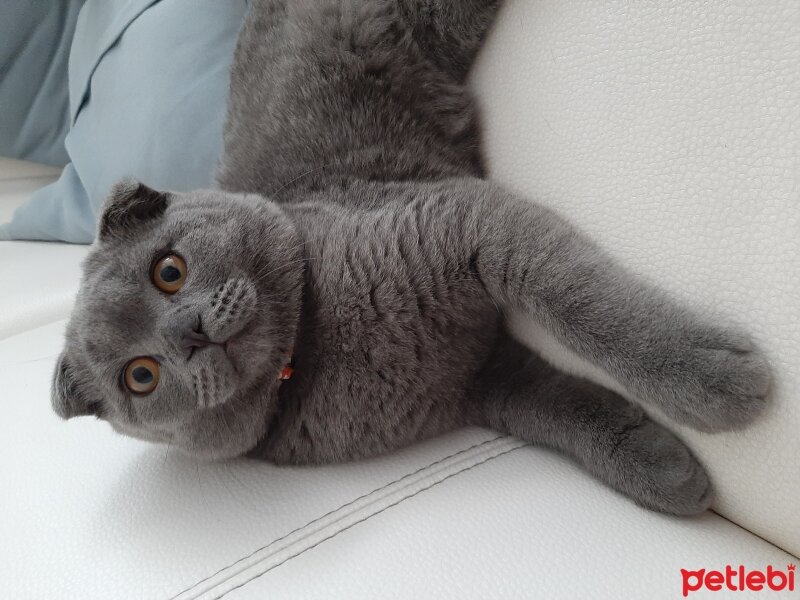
column 738, row 579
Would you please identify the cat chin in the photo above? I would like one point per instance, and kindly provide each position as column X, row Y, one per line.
column 235, row 349
column 246, row 352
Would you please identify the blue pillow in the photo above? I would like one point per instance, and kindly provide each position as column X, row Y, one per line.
column 148, row 85
column 34, row 48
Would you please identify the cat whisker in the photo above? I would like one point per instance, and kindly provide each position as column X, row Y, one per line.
column 28, row 361
column 303, row 243
column 306, row 174
column 283, row 266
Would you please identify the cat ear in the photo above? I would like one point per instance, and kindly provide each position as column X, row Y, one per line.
column 129, row 205
column 67, row 398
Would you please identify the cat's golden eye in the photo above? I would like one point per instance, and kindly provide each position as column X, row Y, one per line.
column 169, row 273
column 141, row 375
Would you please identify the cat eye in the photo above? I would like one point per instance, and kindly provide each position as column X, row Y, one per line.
column 141, row 375
column 169, row 273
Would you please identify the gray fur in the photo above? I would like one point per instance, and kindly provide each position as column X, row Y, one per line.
column 352, row 225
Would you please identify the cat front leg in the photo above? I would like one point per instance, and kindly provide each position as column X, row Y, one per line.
column 530, row 260
column 520, row 394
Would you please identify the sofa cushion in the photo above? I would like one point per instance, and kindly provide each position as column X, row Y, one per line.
column 142, row 104
column 18, row 180
column 40, row 282
column 92, row 514
column 671, row 135
column 39, row 279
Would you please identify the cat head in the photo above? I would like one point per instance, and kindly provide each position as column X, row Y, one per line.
column 187, row 310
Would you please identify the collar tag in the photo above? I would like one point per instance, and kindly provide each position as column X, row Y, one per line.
column 287, row 370
column 286, row 373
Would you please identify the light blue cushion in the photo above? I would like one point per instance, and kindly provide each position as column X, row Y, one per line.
column 35, row 38
column 148, row 87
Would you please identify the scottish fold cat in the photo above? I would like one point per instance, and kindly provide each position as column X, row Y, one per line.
column 343, row 291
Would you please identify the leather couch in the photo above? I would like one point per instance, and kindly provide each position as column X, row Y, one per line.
column 670, row 131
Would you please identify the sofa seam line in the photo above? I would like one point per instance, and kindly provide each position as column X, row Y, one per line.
column 346, row 504
column 368, row 517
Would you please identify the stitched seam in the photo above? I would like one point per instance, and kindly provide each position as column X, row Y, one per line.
column 332, row 511
column 384, row 509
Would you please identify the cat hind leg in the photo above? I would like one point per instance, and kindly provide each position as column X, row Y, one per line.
column 450, row 31
column 518, row 393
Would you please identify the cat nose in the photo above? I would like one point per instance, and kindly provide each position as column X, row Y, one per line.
column 194, row 339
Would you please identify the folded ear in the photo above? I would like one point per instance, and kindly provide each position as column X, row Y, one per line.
column 66, row 396
column 128, row 206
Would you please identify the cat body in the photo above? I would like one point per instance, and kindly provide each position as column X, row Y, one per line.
column 393, row 326
column 354, row 235
column 359, row 127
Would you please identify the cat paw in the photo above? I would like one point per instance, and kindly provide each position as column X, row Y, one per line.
column 716, row 381
column 660, row 473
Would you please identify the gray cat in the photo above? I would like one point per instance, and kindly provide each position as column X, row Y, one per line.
column 354, row 243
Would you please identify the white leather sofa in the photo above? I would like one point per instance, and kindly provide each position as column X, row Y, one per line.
column 668, row 130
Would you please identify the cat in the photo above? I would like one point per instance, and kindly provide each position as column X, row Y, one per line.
column 343, row 291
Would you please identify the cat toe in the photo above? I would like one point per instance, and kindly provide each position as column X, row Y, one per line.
column 711, row 379
column 728, row 389
column 664, row 475
column 684, row 488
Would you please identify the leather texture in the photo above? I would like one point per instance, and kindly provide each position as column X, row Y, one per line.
column 526, row 525
column 670, row 132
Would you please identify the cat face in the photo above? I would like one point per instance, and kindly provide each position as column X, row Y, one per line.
column 186, row 313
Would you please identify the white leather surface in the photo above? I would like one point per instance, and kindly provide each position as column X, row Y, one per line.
column 671, row 132
column 40, row 280
column 89, row 514
column 525, row 525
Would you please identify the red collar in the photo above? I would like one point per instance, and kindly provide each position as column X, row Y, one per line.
column 287, row 370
